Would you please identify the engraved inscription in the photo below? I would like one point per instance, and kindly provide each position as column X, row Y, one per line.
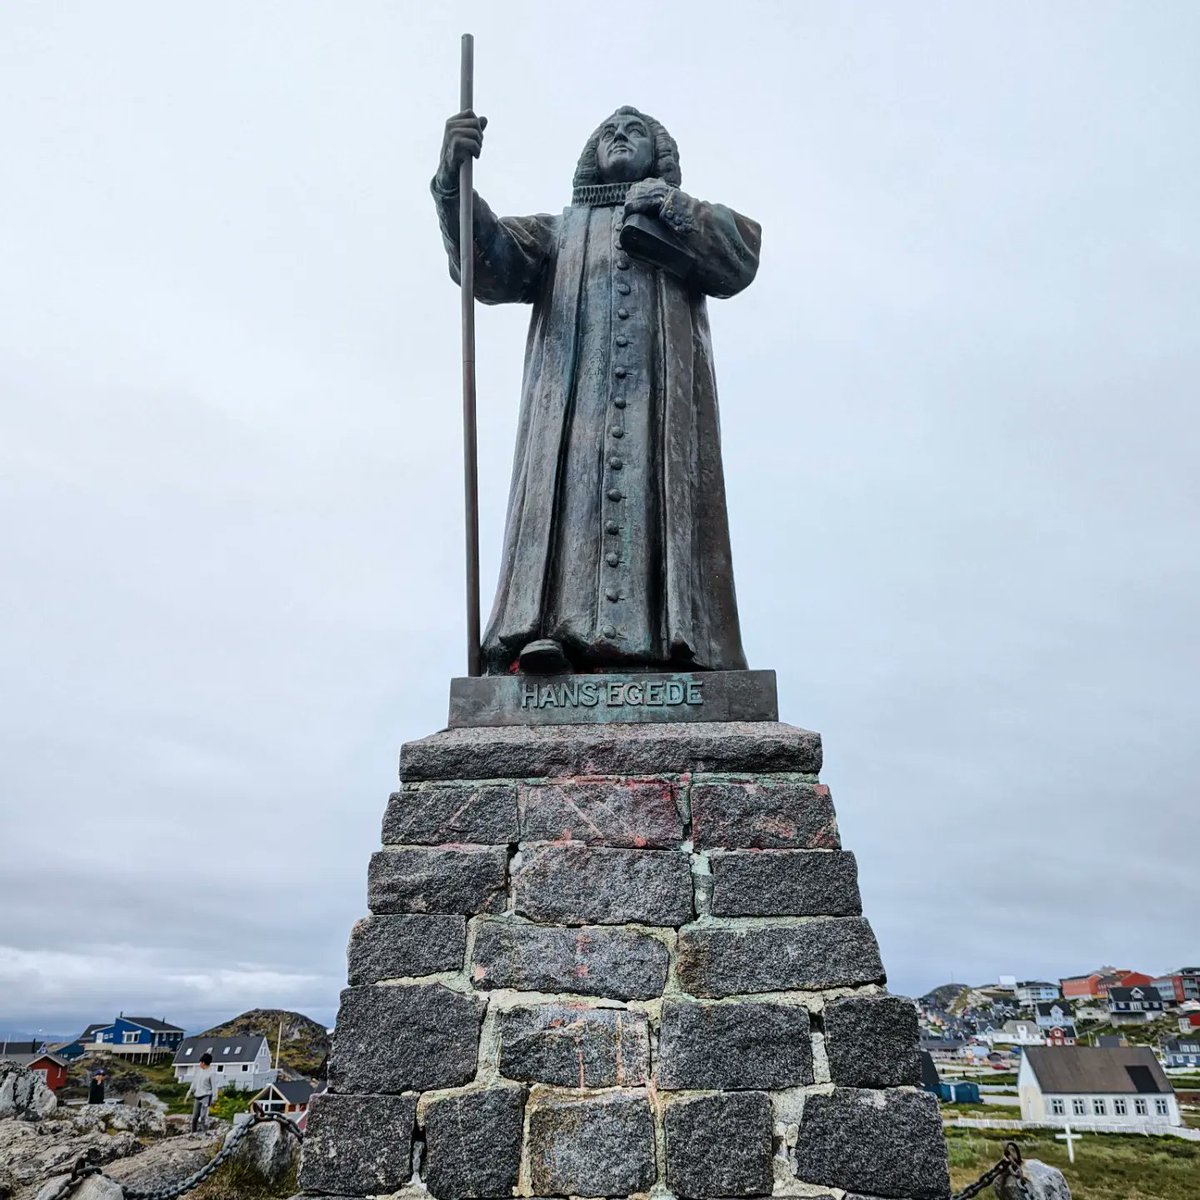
column 616, row 693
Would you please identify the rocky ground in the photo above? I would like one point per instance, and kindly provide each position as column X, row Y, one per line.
column 138, row 1147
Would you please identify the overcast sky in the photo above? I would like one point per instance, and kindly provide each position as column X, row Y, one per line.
column 959, row 431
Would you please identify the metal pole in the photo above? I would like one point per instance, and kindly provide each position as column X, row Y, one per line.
column 466, row 267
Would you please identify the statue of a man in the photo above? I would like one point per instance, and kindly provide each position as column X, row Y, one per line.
column 616, row 549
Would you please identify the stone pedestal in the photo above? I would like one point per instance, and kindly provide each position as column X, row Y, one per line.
column 608, row 960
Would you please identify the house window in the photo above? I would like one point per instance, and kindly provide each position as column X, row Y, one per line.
column 1057, row 1108
column 188, row 1051
column 1139, row 1107
column 1099, row 1108
column 1079, row 1108
column 1160, row 1107
column 220, row 1066
column 1120, row 1107
column 225, row 1051
column 129, row 1037
column 245, row 1066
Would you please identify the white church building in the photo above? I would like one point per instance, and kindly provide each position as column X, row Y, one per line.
column 1096, row 1088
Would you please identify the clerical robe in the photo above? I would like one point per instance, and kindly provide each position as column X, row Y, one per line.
column 617, row 538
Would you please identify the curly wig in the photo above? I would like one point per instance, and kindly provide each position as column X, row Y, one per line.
column 666, row 153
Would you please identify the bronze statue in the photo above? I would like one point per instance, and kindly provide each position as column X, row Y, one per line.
column 616, row 549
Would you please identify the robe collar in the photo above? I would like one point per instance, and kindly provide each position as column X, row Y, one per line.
column 600, row 195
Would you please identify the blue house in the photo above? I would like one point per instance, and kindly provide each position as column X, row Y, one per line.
column 140, row 1039
column 1182, row 1052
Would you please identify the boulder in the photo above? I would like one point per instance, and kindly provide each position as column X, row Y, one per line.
column 1042, row 1182
column 166, row 1163
column 145, row 1122
column 269, row 1150
column 96, row 1187
column 31, row 1152
column 23, row 1093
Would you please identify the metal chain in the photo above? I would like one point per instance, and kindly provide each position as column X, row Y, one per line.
column 1009, row 1165
column 973, row 1189
column 87, row 1165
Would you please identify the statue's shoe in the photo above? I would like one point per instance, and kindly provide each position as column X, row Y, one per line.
column 544, row 657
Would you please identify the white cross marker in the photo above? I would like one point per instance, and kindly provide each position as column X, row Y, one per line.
column 1070, row 1138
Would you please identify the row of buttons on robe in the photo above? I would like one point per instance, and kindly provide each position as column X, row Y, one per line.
column 617, row 431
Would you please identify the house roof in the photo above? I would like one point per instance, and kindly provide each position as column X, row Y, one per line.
column 1047, row 1007
column 938, row 1043
column 1124, row 994
column 223, row 1049
column 1179, row 1046
column 28, row 1058
column 1100, row 1070
column 294, row 1091
column 152, row 1024
column 9, row 1048
column 86, row 1035
column 1018, row 1027
column 1036, row 983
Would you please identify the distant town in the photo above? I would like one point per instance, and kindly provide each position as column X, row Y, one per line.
column 988, row 1043
column 1114, row 1050
column 268, row 1057
column 1067, row 1065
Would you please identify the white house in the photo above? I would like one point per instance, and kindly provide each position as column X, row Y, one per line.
column 1016, row 1033
column 242, row 1063
column 1134, row 1005
column 1035, row 991
column 1087, row 1087
column 1054, row 1014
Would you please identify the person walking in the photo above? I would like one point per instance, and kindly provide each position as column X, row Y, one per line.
column 203, row 1090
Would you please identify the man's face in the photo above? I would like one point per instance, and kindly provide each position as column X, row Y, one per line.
column 625, row 152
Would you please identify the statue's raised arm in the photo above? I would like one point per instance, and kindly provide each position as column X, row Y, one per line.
column 511, row 253
column 616, row 551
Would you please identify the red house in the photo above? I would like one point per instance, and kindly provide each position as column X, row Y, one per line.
column 49, row 1066
column 1061, row 1035
column 1133, row 979
column 1178, row 987
column 1081, row 987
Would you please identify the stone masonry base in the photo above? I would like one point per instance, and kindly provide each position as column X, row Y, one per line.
column 619, row 960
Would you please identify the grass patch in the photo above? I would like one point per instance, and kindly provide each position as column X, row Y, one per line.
column 1107, row 1166
column 236, row 1181
column 998, row 1111
column 230, row 1103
